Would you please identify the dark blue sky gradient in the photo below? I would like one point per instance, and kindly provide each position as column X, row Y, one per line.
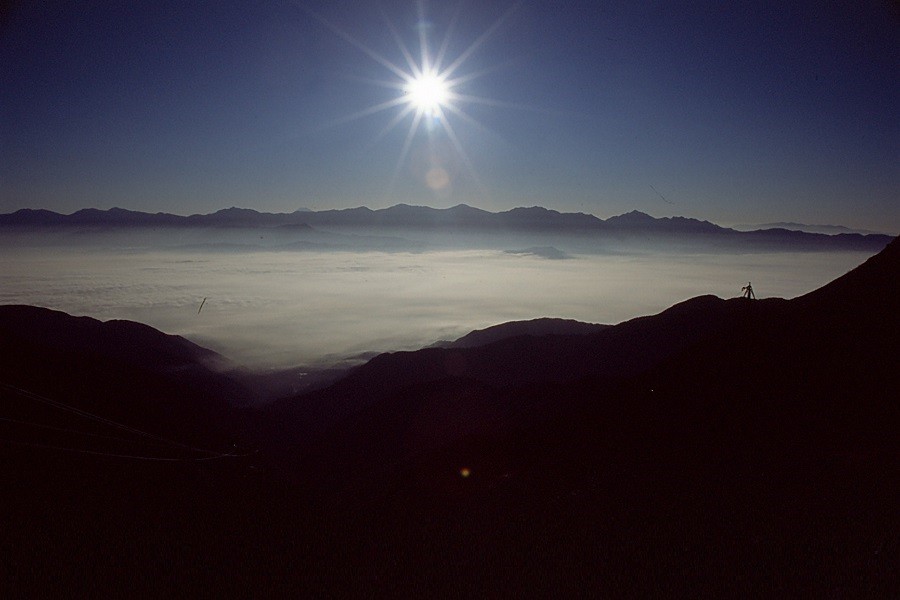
column 734, row 112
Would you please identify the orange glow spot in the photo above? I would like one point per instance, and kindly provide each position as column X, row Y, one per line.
column 465, row 472
column 437, row 178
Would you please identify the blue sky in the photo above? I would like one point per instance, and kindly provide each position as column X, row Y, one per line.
column 732, row 112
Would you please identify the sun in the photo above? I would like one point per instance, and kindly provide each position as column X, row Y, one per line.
column 428, row 93
column 431, row 95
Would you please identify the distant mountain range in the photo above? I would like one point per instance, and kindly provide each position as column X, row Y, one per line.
column 632, row 225
column 791, row 226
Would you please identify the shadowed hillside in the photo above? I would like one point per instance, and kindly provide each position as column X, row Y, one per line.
column 718, row 437
column 533, row 327
column 126, row 371
column 722, row 448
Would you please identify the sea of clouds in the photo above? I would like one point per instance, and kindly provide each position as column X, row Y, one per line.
column 277, row 308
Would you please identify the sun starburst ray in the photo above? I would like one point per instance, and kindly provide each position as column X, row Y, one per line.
column 466, row 117
column 462, row 58
column 454, row 139
column 498, row 103
column 391, row 84
column 394, row 122
column 371, row 110
column 477, row 125
column 431, row 94
column 425, row 65
column 445, row 43
column 457, row 81
column 407, row 55
column 407, row 143
column 365, row 49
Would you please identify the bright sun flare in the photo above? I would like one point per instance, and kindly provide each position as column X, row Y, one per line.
column 428, row 93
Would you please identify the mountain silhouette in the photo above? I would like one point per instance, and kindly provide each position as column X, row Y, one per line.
column 714, row 436
column 790, row 225
column 123, row 370
column 723, row 447
column 633, row 226
column 532, row 327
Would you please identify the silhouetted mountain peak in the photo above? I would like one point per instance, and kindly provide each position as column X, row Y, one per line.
column 680, row 225
column 462, row 217
column 235, row 212
column 534, row 327
column 871, row 288
column 120, row 340
column 403, row 207
column 32, row 216
column 632, row 217
column 537, row 217
column 35, row 212
column 92, row 212
column 468, row 211
column 793, row 226
column 539, row 211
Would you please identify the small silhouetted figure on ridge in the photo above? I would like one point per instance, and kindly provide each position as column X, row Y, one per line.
column 747, row 292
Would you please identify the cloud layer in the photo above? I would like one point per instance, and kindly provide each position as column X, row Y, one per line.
column 278, row 309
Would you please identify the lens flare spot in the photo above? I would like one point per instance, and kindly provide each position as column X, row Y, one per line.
column 437, row 178
column 465, row 472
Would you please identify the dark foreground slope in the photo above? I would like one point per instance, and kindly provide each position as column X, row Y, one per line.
column 722, row 448
column 122, row 370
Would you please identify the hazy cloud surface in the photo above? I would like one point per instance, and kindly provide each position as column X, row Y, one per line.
column 283, row 308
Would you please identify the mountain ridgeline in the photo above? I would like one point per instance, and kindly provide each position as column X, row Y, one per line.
column 719, row 448
column 462, row 218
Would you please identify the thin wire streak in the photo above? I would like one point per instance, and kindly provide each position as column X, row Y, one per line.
column 660, row 195
column 114, row 455
column 79, row 432
column 88, row 415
